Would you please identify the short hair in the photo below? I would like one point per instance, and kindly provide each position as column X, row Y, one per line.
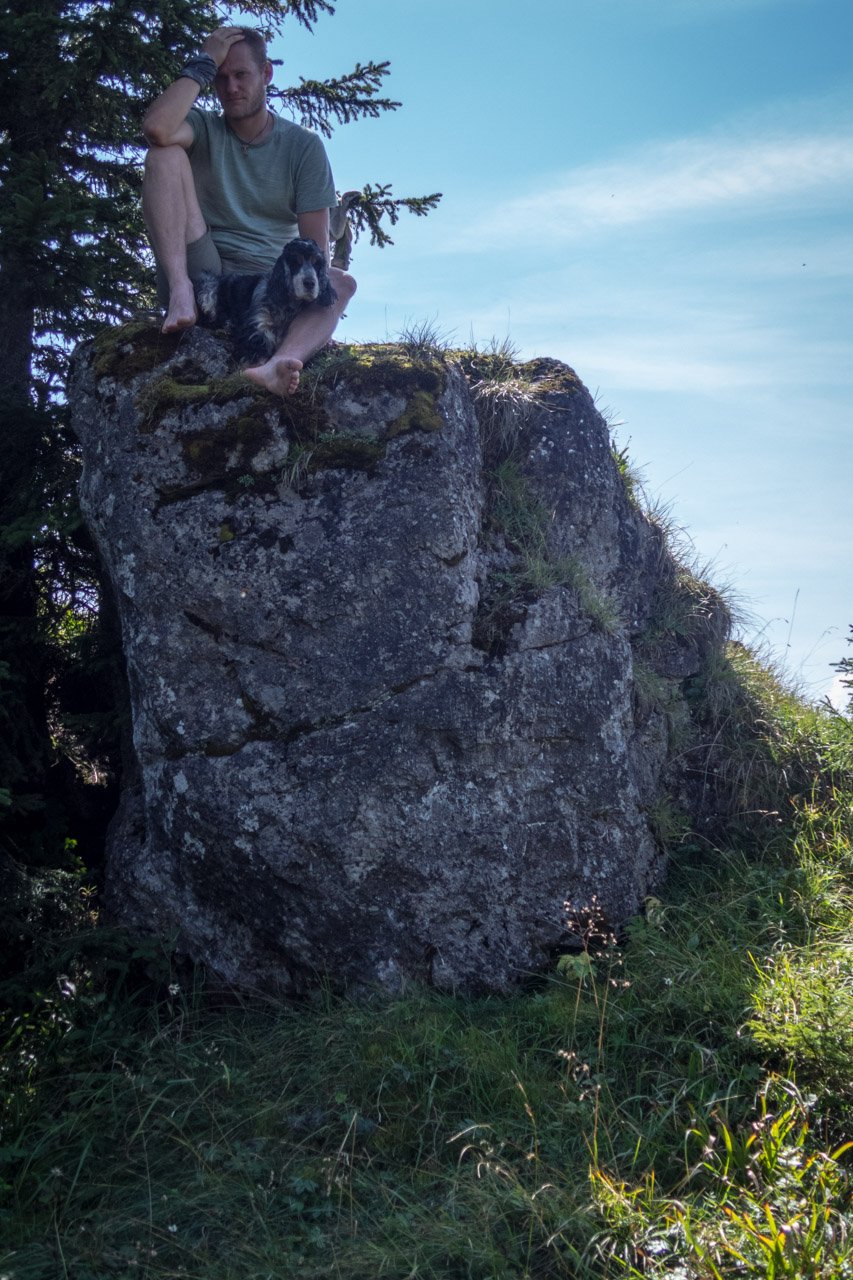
column 257, row 45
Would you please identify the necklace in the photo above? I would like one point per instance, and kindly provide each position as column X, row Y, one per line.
column 251, row 141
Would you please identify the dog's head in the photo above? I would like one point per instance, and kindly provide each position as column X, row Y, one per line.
column 302, row 274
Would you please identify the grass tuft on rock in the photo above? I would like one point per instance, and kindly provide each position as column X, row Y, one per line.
column 517, row 515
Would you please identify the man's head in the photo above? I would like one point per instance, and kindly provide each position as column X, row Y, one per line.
column 257, row 44
column 242, row 79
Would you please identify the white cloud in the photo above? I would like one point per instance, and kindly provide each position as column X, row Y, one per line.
column 700, row 176
column 711, row 332
column 618, row 367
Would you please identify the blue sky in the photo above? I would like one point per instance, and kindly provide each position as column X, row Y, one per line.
column 660, row 193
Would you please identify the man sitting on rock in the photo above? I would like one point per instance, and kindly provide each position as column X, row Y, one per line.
column 225, row 192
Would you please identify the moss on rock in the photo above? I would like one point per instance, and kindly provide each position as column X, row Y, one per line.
column 304, row 415
column 218, row 454
column 367, row 371
column 127, row 350
column 214, row 451
column 352, row 453
column 545, row 374
column 420, row 414
column 387, row 367
column 168, row 392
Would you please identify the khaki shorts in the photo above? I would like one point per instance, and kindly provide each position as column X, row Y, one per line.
column 202, row 255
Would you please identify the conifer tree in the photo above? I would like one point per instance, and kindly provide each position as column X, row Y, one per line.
column 75, row 81
column 845, row 671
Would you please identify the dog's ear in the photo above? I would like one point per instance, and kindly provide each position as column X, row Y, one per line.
column 327, row 294
column 280, row 285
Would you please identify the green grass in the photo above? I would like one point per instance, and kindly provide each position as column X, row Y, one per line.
column 515, row 510
column 630, row 474
column 423, row 340
column 497, row 361
column 674, row 1103
column 503, row 407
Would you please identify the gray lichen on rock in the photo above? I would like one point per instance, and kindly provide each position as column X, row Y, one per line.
column 381, row 665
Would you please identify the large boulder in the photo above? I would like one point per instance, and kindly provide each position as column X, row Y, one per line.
column 379, row 648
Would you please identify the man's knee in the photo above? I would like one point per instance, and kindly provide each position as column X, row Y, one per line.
column 343, row 284
column 160, row 159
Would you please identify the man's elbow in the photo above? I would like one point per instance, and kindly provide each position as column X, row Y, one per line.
column 151, row 134
column 155, row 131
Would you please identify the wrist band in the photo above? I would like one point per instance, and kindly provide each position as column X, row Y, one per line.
column 202, row 68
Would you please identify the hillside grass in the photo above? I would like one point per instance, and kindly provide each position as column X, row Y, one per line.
column 675, row 1102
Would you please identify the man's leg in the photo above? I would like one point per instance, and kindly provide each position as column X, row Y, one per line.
column 174, row 219
column 309, row 332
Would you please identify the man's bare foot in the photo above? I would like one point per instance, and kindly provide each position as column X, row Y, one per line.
column 182, row 312
column 280, row 375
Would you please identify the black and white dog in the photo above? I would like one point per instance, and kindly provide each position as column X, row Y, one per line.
column 259, row 309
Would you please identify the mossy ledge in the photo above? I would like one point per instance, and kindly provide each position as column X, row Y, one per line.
column 169, row 392
column 367, row 371
column 375, row 367
column 220, row 454
column 130, row 349
column 547, row 375
column 541, row 375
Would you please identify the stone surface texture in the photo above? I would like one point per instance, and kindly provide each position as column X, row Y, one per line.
column 374, row 737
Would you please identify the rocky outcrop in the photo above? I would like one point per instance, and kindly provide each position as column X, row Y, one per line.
column 381, row 645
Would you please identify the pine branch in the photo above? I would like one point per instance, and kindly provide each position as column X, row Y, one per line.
column 346, row 98
column 376, row 203
column 306, row 12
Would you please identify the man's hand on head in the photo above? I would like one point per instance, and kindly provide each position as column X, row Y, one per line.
column 220, row 41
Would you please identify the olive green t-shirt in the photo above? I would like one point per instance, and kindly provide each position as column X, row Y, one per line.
column 250, row 196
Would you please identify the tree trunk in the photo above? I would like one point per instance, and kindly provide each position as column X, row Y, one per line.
column 26, row 752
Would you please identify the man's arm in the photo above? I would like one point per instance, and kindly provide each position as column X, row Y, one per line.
column 315, row 226
column 165, row 124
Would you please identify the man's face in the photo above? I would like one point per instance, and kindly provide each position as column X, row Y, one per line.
column 241, row 84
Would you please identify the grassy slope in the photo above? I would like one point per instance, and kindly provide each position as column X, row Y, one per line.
column 665, row 1105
